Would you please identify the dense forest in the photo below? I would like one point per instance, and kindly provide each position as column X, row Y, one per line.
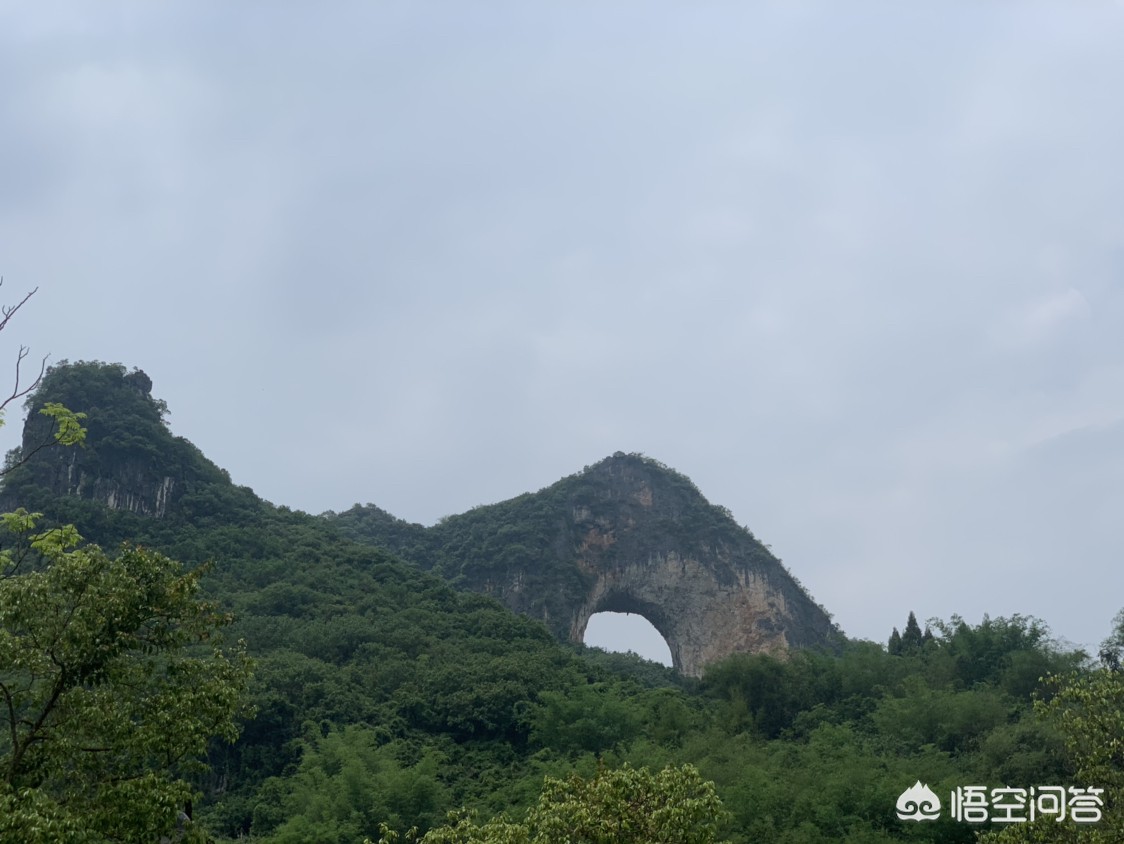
column 383, row 697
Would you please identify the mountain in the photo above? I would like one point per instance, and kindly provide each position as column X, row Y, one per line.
column 345, row 636
column 627, row 534
column 392, row 686
column 130, row 462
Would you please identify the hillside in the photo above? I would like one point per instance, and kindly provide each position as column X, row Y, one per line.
column 385, row 694
column 337, row 627
column 628, row 535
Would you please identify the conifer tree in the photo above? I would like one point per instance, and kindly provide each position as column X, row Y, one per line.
column 927, row 639
column 895, row 647
column 911, row 638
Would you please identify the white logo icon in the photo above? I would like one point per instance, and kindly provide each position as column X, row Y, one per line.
column 918, row 803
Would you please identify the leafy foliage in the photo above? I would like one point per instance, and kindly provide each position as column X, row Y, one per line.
column 112, row 683
column 348, row 782
column 1088, row 710
column 673, row 806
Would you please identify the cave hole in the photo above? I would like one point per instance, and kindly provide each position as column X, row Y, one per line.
column 622, row 632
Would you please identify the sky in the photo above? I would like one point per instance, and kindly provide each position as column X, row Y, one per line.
column 855, row 269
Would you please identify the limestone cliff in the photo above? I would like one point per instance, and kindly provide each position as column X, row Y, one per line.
column 625, row 535
column 131, row 486
column 130, row 461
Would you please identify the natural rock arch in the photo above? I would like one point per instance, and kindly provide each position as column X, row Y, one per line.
column 633, row 536
column 701, row 618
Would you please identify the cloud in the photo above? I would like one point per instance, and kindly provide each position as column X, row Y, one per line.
column 1042, row 320
column 843, row 280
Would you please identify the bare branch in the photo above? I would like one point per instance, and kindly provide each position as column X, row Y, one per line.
column 17, row 393
column 25, row 454
column 9, row 312
column 6, row 313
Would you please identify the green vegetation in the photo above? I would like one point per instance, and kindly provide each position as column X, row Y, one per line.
column 625, row 806
column 113, row 679
column 1087, row 709
column 625, row 508
column 384, row 698
column 106, row 703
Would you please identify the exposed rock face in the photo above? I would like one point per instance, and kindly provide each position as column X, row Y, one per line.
column 129, row 462
column 702, row 612
column 133, row 486
column 630, row 535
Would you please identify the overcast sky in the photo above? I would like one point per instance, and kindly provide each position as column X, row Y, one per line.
column 857, row 269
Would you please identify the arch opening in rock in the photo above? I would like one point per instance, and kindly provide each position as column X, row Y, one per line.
column 622, row 632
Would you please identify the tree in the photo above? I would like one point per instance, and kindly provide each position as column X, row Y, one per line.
column 1088, row 710
column 895, row 646
column 623, row 806
column 347, row 783
column 912, row 636
column 1112, row 649
column 112, row 682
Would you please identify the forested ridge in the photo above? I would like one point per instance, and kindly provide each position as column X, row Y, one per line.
column 626, row 534
column 383, row 697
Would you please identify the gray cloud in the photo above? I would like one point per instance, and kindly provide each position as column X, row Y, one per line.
column 856, row 272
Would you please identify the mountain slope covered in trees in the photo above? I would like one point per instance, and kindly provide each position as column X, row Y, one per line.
column 385, row 695
column 627, row 534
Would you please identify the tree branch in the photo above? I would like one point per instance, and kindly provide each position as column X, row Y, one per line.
column 12, row 720
column 9, row 312
column 6, row 313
